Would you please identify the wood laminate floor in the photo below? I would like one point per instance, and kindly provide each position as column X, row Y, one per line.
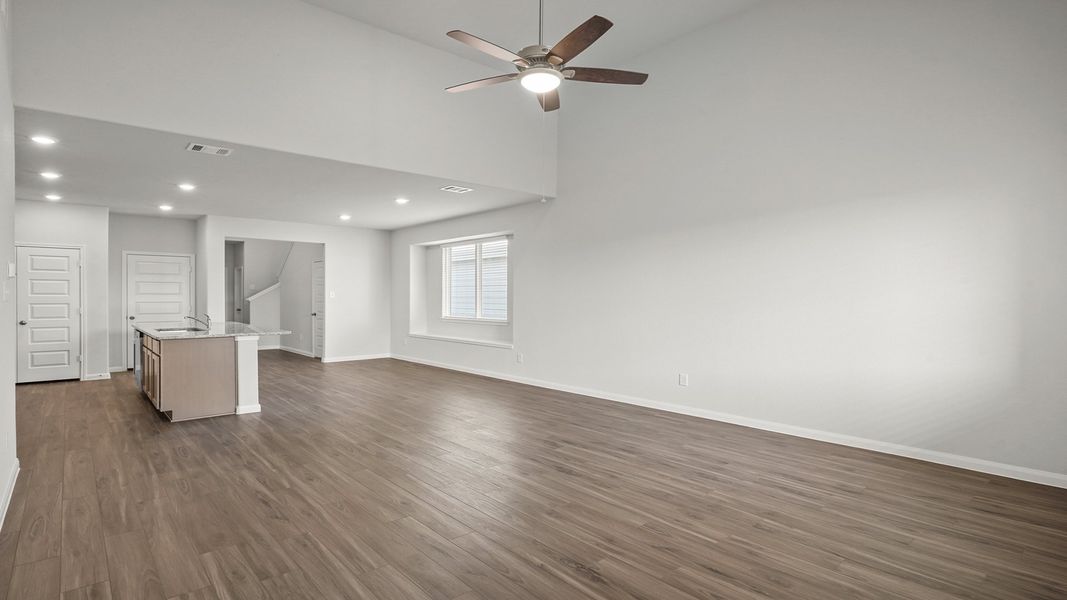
column 384, row 479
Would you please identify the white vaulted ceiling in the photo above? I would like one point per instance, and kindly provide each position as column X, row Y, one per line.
column 335, row 106
column 640, row 25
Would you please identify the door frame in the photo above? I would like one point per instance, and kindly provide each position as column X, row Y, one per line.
column 125, row 293
column 321, row 356
column 83, row 300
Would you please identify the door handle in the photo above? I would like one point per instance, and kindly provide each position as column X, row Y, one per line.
column 22, row 322
column 314, row 314
column 132, row 318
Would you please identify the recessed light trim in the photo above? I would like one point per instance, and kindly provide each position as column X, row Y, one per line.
column 186, row 187
column 44, row 140
column 402, row 201
column 50, row 175
column 53, row 197
column 165, row 207
column 345, row 217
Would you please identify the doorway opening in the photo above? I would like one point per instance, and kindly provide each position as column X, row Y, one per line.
column 278, row 284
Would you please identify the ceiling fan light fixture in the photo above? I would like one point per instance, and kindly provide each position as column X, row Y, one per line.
column 541, row 80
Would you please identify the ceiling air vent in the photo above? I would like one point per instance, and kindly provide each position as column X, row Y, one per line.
column 209, row 149
column 456, row 189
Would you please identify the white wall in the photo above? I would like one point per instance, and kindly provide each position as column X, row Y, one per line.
column 57, row 223
column 357, row 277
column 296, row 297
column 8, row 460
column 265, row 310
column 134, row 233
column 248, row 71
column 841, row 219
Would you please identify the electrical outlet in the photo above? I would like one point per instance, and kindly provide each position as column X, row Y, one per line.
column 519, row 357
column 683, row 379
column 333, row 294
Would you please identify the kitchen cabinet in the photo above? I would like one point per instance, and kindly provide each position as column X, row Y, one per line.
column 189, row 378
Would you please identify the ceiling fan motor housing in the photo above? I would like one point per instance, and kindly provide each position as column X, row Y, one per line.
column 536, row 56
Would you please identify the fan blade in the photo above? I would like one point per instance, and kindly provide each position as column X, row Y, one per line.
column 578, row 40
column 480, row 83
column 605, row 76
column 487, row 47
column 549, row 100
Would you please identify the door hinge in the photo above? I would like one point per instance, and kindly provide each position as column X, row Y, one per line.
column 79, row 358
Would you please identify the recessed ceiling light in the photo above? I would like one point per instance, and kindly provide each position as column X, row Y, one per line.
column 53, row 197
column 50, row 175
column 346, row 217
column 402, row 200
column 44, row 140
column 186, row 187
column 165, row 207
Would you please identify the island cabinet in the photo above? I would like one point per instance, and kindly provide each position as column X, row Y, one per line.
column 189, row 378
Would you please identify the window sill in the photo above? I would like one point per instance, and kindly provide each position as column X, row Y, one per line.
column 460, row 340
column 476, row 321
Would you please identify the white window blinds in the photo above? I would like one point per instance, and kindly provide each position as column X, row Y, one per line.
column 475, row 280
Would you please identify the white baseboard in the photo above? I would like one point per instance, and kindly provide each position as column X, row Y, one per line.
column 117, row 369
column 271, row 347
column 335, row 359
column 96, row 376
column 248, row 409
column 9, row 489
column 296, row 351
column 933, row 456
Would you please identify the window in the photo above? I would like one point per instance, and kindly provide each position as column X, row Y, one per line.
column 475, row 280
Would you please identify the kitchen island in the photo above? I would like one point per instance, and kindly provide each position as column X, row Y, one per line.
column 197, row 372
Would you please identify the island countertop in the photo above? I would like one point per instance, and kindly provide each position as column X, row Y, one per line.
column 224, row 329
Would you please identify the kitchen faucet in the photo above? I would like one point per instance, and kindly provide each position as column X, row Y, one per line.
column 206, row 324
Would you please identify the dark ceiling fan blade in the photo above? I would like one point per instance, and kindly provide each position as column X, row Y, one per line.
column 549, row 100
column 579, row 39
column 605, row 75
column 480, row 83
column 487, row 47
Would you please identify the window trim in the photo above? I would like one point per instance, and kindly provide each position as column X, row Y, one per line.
column 446, row 281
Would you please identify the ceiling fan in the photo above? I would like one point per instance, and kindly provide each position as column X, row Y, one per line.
column 541, row 69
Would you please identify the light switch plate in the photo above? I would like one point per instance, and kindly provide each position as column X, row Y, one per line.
column 10, row 269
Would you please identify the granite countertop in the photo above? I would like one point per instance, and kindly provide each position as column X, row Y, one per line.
column 225, row 329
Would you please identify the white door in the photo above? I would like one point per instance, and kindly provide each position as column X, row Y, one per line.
column 159, row 293
column 239, row 303
column 48, row 282
column 318, row 306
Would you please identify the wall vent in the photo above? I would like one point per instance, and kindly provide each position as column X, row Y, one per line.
column 209, row 149
column 456, row 189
